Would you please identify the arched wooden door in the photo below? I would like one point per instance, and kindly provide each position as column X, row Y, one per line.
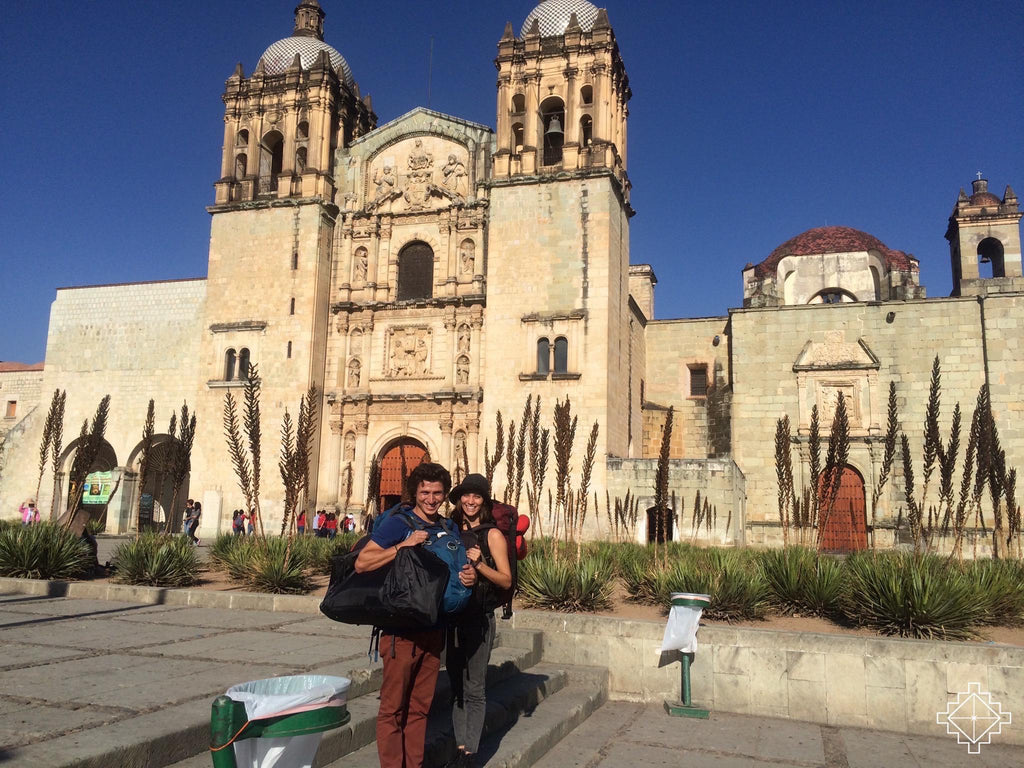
column 846, row 529
column 396, row 462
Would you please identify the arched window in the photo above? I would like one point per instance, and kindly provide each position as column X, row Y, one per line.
column 586, row 131
column 518, row 104
column 271, row 160
column 990, row 251
column 552, row 112
column 241, row 166
column 415, row 272
column 587, row 94
column 302, row 130
column 832, row 296
column 300, row 160
column 561, row 355
column 243, row 364
column 242, row 139
column 517, row 138
column 543, row 356
column 229, row 365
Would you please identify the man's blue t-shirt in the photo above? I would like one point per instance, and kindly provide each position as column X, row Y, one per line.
column 392, row 531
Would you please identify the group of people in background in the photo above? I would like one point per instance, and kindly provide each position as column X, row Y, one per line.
column 29, row 512
column 243, row 524
column 193, row 511
column 326, row 524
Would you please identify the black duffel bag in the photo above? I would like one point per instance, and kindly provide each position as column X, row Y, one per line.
column 405, row 594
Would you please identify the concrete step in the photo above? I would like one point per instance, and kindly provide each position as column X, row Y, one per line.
column 526, row 715
column 363, row 700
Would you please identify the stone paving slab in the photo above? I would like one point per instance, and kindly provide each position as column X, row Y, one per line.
column 101, row 634
column 212, row 617
column 268, row 647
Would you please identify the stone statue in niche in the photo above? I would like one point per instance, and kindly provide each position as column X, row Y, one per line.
column 464, row 337
column 462, row 371
column 460, row 446
column 350, row 447
column 362, row 262
column 353, row 373
column 355, row 342
column 409, row 352
column 453, row 176
column 420, row 159
column 467, row 257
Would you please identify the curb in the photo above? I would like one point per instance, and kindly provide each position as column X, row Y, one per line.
column 197, row 598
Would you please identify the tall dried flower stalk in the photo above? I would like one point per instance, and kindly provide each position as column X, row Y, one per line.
column 492, row 460
column 784, row 474
column 90, row 442
column 835, row 465
column 44, row 445
column 661, row 479
column 814, row 450
column 56, row 448
column 181, row 458
column 145, row 465
column 892, row 431
column 932, row 438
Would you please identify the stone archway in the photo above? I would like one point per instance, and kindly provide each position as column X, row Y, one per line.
column 156, row 498
column 846, row 529
column 397, row 460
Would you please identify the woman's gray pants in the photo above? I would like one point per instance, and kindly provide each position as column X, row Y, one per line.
column 468, row 651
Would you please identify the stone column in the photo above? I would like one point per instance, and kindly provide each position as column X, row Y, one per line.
column 361, row 465
column 333, row 462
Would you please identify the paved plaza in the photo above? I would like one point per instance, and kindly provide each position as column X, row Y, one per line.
column 104, row 683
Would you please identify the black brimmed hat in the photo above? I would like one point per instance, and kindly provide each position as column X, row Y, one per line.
column 472, row 484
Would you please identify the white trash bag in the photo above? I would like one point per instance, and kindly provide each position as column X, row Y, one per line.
column 683, row 619
column 285, row 696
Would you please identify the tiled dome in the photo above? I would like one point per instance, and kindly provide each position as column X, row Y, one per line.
column 553, row 16
column 279, row 56
column 824, row 240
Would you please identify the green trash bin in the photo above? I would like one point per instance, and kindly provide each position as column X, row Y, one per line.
column 276, row 722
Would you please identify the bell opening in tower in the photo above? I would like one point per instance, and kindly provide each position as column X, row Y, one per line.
column 552, row 111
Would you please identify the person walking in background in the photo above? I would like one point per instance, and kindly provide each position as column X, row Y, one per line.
column 349, row 523
column 471, row 638
column 252, row 523
column 193, row 524
column 27, row 510
column 186, row 517
column 238, row 522
column 319, row 526
column 300, row 523
column 332, row 525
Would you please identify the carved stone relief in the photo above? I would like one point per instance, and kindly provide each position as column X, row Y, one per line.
column 462, row 371
column 350, row 447
column 453, row 176
column 828, row 398
column 421, row 165
column 354, row 368
column 467, row 257
column 361, row 263
column 408, row 352
column 464, row 339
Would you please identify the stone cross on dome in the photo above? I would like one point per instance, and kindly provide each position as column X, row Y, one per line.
column 978, row 174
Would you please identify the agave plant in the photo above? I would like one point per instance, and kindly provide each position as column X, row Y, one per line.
column 911, row 595
column 801, row 581
column 157, row 560
column 565, row 584
column 999, row 590
column 43, row 551
column 272, row 571
column 220, row 548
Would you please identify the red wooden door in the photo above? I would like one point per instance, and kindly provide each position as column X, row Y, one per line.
column 397, row 462
column 846, row 529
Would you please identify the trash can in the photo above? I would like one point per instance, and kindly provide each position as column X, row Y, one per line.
column 681, row 635
column 277, row 722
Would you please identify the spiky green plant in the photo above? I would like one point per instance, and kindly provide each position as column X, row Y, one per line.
column 221, row 546
column 802, row 581
column 43, row 551
column 911, row 595
column 275, row 568
column 566, row 584
column 998, row 587
column 157, row 560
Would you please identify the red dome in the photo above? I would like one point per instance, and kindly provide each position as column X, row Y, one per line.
column 985, row 198
column 833, row 240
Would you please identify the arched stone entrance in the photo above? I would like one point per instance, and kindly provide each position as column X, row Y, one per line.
column 846, row 529
column 397, row 460
column 101, row 486
column 157, row 496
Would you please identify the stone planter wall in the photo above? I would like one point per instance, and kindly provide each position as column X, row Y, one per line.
column 874, row 682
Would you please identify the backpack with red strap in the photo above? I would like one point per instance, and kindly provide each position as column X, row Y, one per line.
column 513, row 527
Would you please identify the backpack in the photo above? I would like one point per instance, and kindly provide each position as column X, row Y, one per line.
column 446, row 545
column 404, row 595
column 512, row 525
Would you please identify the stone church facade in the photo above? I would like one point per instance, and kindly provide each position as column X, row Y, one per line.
column 426, row 274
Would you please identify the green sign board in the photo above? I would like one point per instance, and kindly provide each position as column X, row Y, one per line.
column 98, row 487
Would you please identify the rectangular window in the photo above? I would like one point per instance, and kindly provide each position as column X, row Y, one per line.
column 12, row 407
column 698, row 381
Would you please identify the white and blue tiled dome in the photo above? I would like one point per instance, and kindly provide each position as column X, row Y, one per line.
column 553, row 16
column 279, row 56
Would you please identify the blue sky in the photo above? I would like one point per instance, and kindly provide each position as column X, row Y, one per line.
column 750, row 123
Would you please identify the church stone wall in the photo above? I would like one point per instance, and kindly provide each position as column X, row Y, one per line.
column 905, row 338
column 674, row 348
column 135, row 342
column 24, row 389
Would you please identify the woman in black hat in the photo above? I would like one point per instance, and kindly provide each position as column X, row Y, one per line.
column 470, row 640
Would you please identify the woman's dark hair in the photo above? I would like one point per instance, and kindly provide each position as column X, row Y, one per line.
column 486, row 513
column 427, row 473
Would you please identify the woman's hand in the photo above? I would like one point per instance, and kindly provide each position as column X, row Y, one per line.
column 473, row 554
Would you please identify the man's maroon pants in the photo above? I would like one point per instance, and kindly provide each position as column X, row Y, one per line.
column 405, row 696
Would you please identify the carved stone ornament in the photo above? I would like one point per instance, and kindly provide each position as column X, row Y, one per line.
column 462, row 371
column 417, row 188
column 467, row 257
column 350, row 447
column 362, row 260
column 464, row 339
column 354, row 369
column 408, row 352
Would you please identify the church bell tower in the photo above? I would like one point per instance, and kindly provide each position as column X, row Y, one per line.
column 558, row 255
column 984, row 242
